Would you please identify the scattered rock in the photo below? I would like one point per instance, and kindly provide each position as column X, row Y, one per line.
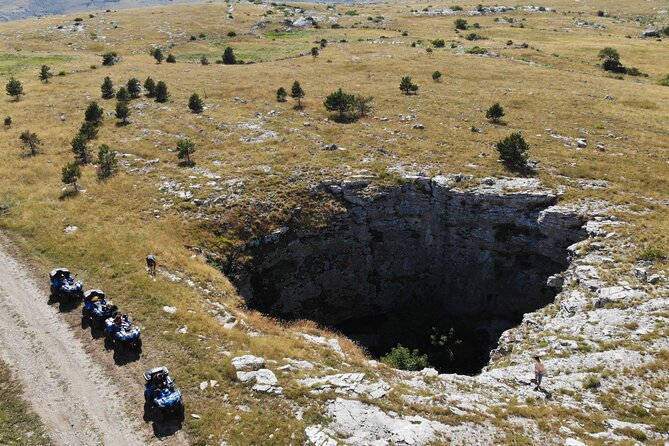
column 248, row 363
column 170, row 310
column 70, row 229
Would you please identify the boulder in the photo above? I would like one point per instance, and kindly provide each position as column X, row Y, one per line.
column 248, row 363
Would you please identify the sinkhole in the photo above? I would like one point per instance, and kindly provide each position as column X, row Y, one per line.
column 405, row 263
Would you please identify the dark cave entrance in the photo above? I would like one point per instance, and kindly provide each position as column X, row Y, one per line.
column 411, row 263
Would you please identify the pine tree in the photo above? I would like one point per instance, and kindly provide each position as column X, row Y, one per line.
column 122, row 111
column 45, row 74
column 314, row 52
column 107, row 88
column 88, row 130
column 70, row 174
column 150, row 87
column 339, row 101
column 171, row 59
column 122, row 95
column 229, row 57
column 14, row 88
column 495, row 112
column 134, row 88
column 29, row 140
column 407, row 86
column 107, row 163
column 81, row 153
column 281, row 94
column 93, row 114
column 161, row 92
column 513, row 151
column 436, row 76
column 195, row 103
column 158, row 55
column 297, row 93
column 185, row 148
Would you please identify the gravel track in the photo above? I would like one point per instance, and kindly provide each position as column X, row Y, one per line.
column 70, row 393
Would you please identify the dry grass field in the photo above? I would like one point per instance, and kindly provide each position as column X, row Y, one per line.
column 262, row 156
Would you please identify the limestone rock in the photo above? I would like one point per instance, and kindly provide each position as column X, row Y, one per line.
column 248, row 363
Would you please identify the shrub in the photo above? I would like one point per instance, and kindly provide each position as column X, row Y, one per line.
column 185, row 148
column 591, row 382
column 204, row 60
column 438, row 43
column 29, row 140
column 402, row 358
column 107, row 163
column 362, row 105
column 110, row 58
column 171, row 59
column 509, row 42
column 407, row 86
column 340, row 102
column 495, row 112
column 314, row 52
column 14, row 88
column 651, row 254
column 195, row 103
column 150, row 87
column 513, row 151
column 474, row 36
column 460, row 24
column 665, row 81
column 8, row 121
column 436, row 76
column 161, row 92
column 232, row 34
column 88, row 130
column 476, row 50
column 601, row 13
column 107, row 88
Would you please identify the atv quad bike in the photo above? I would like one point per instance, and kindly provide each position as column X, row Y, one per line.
column 160, row 395
column 120, row 332
column 64, row 287
column 97, row 308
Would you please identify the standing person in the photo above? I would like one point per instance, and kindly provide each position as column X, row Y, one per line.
column 151, row 264
column 539, row 372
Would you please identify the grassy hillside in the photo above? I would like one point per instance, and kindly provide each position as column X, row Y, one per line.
column 259, row 157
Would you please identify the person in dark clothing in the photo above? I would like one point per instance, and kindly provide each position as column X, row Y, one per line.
column 151, row 264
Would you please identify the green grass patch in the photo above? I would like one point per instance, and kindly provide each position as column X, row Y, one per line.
column 12, row 64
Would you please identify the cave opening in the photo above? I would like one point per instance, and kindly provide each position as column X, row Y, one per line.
column 431, row 268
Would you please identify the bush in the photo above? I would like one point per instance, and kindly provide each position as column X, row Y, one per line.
column 29, row 140
column 281, row 94
column 107, row 164
column 439, row 43
column 494, row 113
column 460, row 24
column 70, row 174
column 591, row 382
column 171, row 59
column 436, row 76
column 229, row 57
column 474, row 36
column 513, row 151
column 8, row 121
column 14, row 88
column 93, row 114
column 407, row 86
column 158, row 55
column 232, row 34
column 185, row 148
column 476, row 50
column 340, row 102
column 161, row 92
column 651, row 254
column 404, row 359
column 110, row 58
column 665, row 81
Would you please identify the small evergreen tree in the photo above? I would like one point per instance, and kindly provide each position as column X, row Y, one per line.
column 14, row 88
column 297, row 93
column 281, row 94
column 229, row 57
column 340, row 102
column 513, row 151
column 495, row 112
column 161, row 92
column 81, row 153
column 150, row 87
column 185, row 148
column 45, row 74
column 93, row 114
column 70, row 175
column 436, row 76
column 611, row 60
column 107, row 88
column 30, row 140
column 171, row 58
column 134, row 88
column 122, row 111
column 195, row 103
column 407, row 86
column 314, row 52
column 8, row 122
column 204, row 60
column 107, row 163
column 88, row 130
column 122, row 95
column 158, row 55
column 362, row 105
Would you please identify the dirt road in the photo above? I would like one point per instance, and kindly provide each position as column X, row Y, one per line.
column 70, row 393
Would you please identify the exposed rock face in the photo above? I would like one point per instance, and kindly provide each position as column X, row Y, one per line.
column 420, row 255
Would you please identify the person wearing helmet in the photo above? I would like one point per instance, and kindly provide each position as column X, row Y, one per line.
column 151, row 264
